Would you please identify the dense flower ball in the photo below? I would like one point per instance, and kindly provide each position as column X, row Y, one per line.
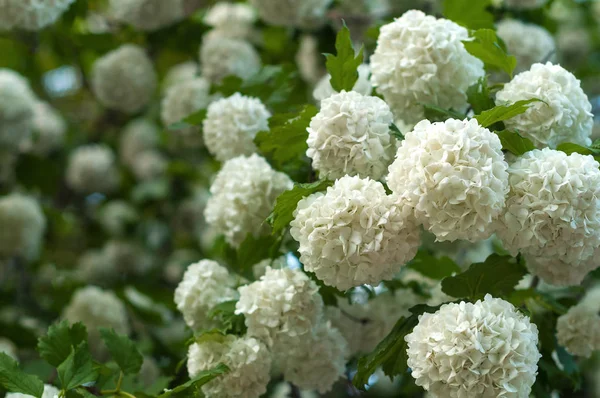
column 222, row 56
column 149, row 165
column 354, row 233
column 309, row 60
column 232, row 123
column 486, row 349
column 230, row 19
column 49, row 392
column 579, row 330
column 31, row 14
column 124, row 79
column 420, row 59
column 147, row 15
column 97, row 308
column 552, row 213
column 529, row 43
column 204, row 285
column 323, row 89
column 49, row 129
column 179, row 73
column 351, row 136
column 564, row 116
column 243, row 195
column 305, row 14
column 139, row 135
column 23, row 226
column 91, row 169
column 284, row 303
column 454, row 175
column 17, row 109
column 248, row 360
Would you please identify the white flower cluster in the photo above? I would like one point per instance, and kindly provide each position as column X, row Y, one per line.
column 563, row 116
column 309, row 61
column 147, row 15
column 92, row 168
column 304, row 14
column 49, row 392
column 124, row 79
column 351, row 136
column 363, row 85
column 552, row 214
column 529, row 43
column 354, row 233
column 49, row 129
column 248, row 360
column 232, row 20
column 23, row 226
column 205, row 284
column 17, row 109
column 94, row 268
column 223, row 56
column 454, row 175
column 485, row 349
column 579, row 330
column 31, row 14
column 232, row 123
column 179, row 73
column 243, row 195
column 421, row 59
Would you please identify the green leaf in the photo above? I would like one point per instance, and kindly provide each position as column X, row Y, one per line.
column 520, row 298
column 479, row 97
column 192, row 388
column 498, row 276
column 503, row 112
column 486, row 46
column 570, row 148
column 396, row 133
column 432, row 267
column 433, row 112
column 123, row 351
column 57, row 344
column 196, row 118
column 515, row 142
column 468, row 13
column 255, row 249
column 343, row 67
column 286, row 203
column 595, row 145
column 230, row 322
column 14, row 379
column 329, row 294
column 78, row 368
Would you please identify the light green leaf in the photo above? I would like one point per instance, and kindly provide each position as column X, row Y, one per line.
column 479, row 97
column 230, row 323
column 570, row 148
column 468, row 13
column 434, row 112
column 14, row 379
column 432, row 267
column 343, row 67
column 191, row 389
column 77, row 369
column 515, row 142
column 486, row 46
column 57, row 344
column 504, row 112
column 123, row 351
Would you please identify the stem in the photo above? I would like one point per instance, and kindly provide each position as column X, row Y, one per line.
column 535, row 282
column 295, row 391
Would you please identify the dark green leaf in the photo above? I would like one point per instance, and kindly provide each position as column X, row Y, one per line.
column 479, row 96
column 343, row 67
column 196, row 118
column 498, row 276
column 329, row 294
column 568, row 362
column 486, row 46
column 57, row 344
column 432, row 267
column 78, row 368
column 433, row 112
column 253, row 250
column 470, row 14
column 503, row 112
column 396, row 133
column 515, row 142
column 123, row 351
column 520, row 298
column 229, row 321
column 570, row 148
column 192, row 388
column 14, row 379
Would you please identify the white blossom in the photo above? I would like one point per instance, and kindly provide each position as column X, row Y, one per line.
column 49, row 129
column 454, row 175
column 149, row 165
column 309, row 60
column 363, row 85
column 233, row 20
column 420, row 59
column 93, row 267
column 49, row 392
column 116, row 216
column 529, row 43
column 563, row 116
column 8, row 347
column 485, row 349
column 284, row 390
column 31, row 14
column 354, row 233
column 92, row 168
column 138, row 136
column 179, row 73
column 579, row 330
column 147, row 15
column 23, row 226
column 222, row 56
column 304, row 14
column 17, row 109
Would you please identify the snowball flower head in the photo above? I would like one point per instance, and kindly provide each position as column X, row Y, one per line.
column 579, row 330
column 232, row 123
column 421, row 59
column 486, row 349
column 323, row 89
column 231, row 19
column 529, row 43
column 454, row 175
column 147, row 15
column 49, row 129
column 283, row 303
column 31, row 14
column 304, row 14
column 552, row 213
column 222, row 56
column 149, row 165
column 49, row 392
column 205, row 284
column 563, row 116
column 309, row 60
column 17, row 109
column 243, row 195
column 248, row 360
column 180, row 73
column 91, row 169
column 23, row 226
column 351, row 136
column 139, row 135
column 124, row 79
column 354, row 233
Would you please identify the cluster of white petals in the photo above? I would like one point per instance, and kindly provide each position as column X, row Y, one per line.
column 485, row 349
column 49, row 392
column 8, row 347
column 17, row 109
column 309, row 60
column 149, row 165
column 363, row 85
column 92, row 168
column 454, row 175
column 283, row 304
column 223, row 56
column 232, row 123
column 579, row 330
column 420, row 59
column 552, row 214
column 23, row 226
column 124, row 79
column 205, row 284
column 147, row 15
column 284, row 390
column 31, row 14
column 563, row 116
column 304, row 14
column 138, row 136
column 354, row 233
column 248, row 360
column 351, row 136
column 180, row 73
column 230, row 19
column 49, row 129
column 529, row 43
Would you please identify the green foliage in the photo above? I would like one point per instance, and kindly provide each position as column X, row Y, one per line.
column 14, row 379
column 487, row 47
column 470, row 14
column 123, row 351
column 343, row 67
column 434, row 112
column 570, row 148
column 229, row 321
column 255, row 249
column 78, row 369
column 329, row 294
column 396, row 133
column 515, row 142
column 503, row 112
column 432, row 267
column 479, row 96
column 191, row 389
column 60, row 340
